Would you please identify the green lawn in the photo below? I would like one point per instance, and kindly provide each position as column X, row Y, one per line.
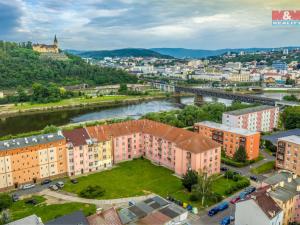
column 264, row 168
column 132, row 178
column 139, row 177
column 47, row 212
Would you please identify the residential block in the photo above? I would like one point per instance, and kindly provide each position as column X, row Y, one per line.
column 231, row 138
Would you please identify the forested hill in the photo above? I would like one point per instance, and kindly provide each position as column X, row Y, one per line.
column 21, row 66
column 126, row 52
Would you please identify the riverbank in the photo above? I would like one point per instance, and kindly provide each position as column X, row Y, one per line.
column 10, row 110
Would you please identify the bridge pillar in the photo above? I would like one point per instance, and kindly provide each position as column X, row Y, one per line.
column 198, row 100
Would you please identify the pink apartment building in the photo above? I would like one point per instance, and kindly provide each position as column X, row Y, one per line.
column 174, row 148
column 261, row 118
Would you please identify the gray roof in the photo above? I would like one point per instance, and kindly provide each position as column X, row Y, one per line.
column 250, row 110
column 75, row 218
column 29, row 220
column 293, row 139
column 274, row 137
column 30, row 141
column 289, row 188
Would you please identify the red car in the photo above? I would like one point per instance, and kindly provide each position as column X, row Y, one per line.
column 234, row 200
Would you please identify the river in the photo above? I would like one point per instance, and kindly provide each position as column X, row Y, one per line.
column 26, row 123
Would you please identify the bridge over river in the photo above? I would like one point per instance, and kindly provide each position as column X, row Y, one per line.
column 217, row 93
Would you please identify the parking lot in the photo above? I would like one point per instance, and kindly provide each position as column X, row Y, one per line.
column 36, row 189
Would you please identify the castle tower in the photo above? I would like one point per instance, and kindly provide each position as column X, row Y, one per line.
column 55, row 41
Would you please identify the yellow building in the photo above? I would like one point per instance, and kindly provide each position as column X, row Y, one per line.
column 42, row 48
column 103, row 145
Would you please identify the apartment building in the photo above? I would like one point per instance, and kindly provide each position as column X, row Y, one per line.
column 284, row 188
column 231, row 138
column 261, row 118
column 88, row 150
column 103, row 146
column 174, row 148
column 260, row 209
column 31, row 159
column 288, row 156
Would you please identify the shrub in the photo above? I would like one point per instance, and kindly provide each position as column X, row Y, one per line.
column 190, row 179
column 92, row 191
column 194, row 198
column 5, row 201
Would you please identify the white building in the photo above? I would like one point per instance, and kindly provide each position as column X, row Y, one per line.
column 234, row 65
column 261, row 118
column 259, row 209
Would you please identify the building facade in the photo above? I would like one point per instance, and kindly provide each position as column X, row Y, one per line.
column 261, row 118
column 91, row 149
column 31, row 159
column 231, row 138
column 42, row 48
column 288, row 156
column 174, row 148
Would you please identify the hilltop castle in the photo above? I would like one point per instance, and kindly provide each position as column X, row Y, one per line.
column 42, row 48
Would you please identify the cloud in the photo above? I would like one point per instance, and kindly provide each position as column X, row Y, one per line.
column 109, row 24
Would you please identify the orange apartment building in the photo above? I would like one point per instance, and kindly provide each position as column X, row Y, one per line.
column 288, row 156
column 31, row 159
column 231, row 138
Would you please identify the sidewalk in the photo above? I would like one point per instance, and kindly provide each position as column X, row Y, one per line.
column 96, row 202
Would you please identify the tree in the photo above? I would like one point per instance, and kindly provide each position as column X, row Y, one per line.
column 5, row 201
column 50, row 129
column 190, row 179
column 22, row 96
column 203, row 189
column 123, row 89
column 240, row 155
column 291, row 117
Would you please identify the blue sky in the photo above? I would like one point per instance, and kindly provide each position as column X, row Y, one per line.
column 111, row 24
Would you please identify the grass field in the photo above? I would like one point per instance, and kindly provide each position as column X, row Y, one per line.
column 264, row 168
column 47, row 212
column 139, row 177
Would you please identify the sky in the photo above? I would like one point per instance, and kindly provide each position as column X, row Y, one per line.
column 114, row 24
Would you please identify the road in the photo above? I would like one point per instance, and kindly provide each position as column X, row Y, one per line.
column 246, row 171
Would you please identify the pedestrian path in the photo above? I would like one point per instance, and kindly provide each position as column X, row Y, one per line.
column 97, row 202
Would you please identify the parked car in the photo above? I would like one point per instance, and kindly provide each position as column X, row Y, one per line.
column 235, row 200
column 225, row 221
column 53, row 187
column 222, row 206
column 243, row 195
column 27, row 186
column 74, row 181
column 15, row 197
column 131, row 203
column 47, row 181
column 250, row 189
column 60, row 184
column 213, row 211
column 224, row 169
column 31, row 202
column 254, row 178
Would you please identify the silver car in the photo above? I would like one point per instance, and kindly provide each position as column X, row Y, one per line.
column 53, row 187
column 27, row 186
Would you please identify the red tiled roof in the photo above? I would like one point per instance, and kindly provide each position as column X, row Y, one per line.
column 107, row 217
column 156, row 218
column 184, row 139
column 77, row 137
column 265, row 202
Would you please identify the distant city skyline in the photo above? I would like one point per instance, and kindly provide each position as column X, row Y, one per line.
column 114, row 24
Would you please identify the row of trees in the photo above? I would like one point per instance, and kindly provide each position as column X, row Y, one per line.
column 291, row 117
column 20, row 65
column 192, row 114
column 40, row 93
